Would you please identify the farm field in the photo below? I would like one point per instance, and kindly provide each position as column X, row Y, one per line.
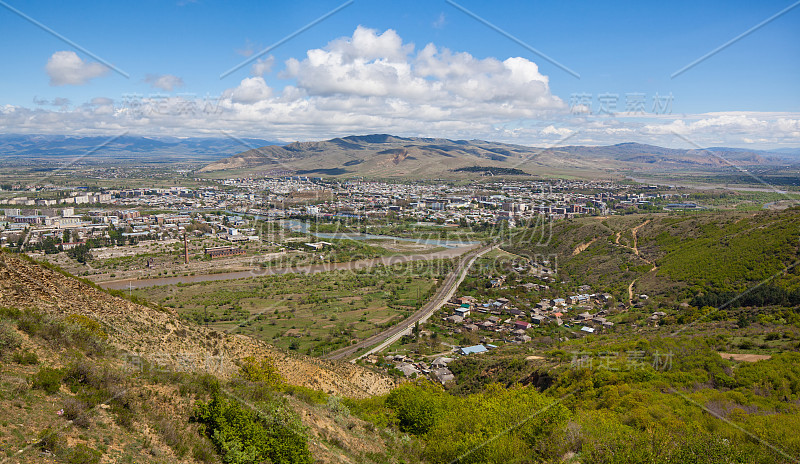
column 310, row 313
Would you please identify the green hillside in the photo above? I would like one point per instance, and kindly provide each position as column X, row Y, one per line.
column 680, row 257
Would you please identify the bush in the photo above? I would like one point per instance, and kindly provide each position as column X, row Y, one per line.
column 48, row 379
column 9, row 313
column 82, row 454
column 337, row 407
column 9, row 338
column 242, row 436
column 52, row 441
column 30, row 322
column 77, row 411
column 87, row 325
column 306, row 394
column 25, row 357
column 264, row 371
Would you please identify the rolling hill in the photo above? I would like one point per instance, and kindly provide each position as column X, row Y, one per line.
column 382, row 155
column 704, row 259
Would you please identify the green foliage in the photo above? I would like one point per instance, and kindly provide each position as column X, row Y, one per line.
column 73, row 333
column 82, row 454
column 9, row 338
column 243, row 436
column 309, row 395
column 89, row 326
column 711, row 256
column 497, row 425
column 48, row 379
column 25, row 357
column 417, row 406
column 263, row 371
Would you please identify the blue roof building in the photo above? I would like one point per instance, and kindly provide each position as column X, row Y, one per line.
column 473, row 349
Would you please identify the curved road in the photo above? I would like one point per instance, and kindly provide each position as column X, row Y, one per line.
column 392, row 334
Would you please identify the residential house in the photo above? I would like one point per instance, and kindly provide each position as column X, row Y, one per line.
column 440, row 362
column 443, row 375
column 524, row 325
column 462, row 311
column 467, row 350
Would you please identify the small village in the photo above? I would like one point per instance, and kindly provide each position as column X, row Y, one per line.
column 495, row 322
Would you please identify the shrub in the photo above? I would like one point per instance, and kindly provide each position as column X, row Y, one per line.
column 25, row 357
column 77, row 411
column 9, row 338
column 48, row 379
column 241, row 436
column 30, row 322
column 82, row 454
column 306, row 394
column 89, row 326
column 9, row 313
column 264, row 371
column 337, row 407
column 52, row 441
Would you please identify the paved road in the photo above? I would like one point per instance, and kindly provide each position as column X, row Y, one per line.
column 392, row 334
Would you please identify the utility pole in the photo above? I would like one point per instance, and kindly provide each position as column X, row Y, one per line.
column 185, row 250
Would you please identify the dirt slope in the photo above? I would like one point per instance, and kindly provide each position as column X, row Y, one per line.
column 163, row 339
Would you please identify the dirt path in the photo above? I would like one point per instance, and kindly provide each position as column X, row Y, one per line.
column 583, row 246
column 744, row 357
column 630, row 291
column 635, row 249
column 635, row 240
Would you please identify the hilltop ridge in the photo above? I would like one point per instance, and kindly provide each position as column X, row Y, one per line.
column 384, row 155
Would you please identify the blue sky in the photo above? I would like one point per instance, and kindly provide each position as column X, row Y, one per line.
column 744, row 95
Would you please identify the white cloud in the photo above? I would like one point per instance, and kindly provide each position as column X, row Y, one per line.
column 440, row 21
column 67, row 68
column 552, row 130
column 373, row 82
column 251, row 90
column 262, row 66
column 166, row 82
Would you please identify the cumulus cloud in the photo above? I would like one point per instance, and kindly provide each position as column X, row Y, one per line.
column 67, row 68
column 251, row 90
column 166, row 82
column 374, row 82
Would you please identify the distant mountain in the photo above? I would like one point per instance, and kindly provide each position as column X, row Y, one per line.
column 793, row 153
column 27, row 148
column 382, row 155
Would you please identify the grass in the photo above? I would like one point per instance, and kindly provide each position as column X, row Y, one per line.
column 308, row 313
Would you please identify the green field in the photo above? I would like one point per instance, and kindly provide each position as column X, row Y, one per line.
column 313, row 313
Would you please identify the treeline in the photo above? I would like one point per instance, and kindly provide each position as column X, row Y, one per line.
column 764, row 295
column 493, row 170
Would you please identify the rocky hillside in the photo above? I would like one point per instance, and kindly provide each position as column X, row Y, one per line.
column 161, row 338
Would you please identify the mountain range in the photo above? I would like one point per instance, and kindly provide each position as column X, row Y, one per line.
column 383, row 155
column 18, row 148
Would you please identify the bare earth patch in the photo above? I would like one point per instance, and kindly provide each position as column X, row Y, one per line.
column 745, row 357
